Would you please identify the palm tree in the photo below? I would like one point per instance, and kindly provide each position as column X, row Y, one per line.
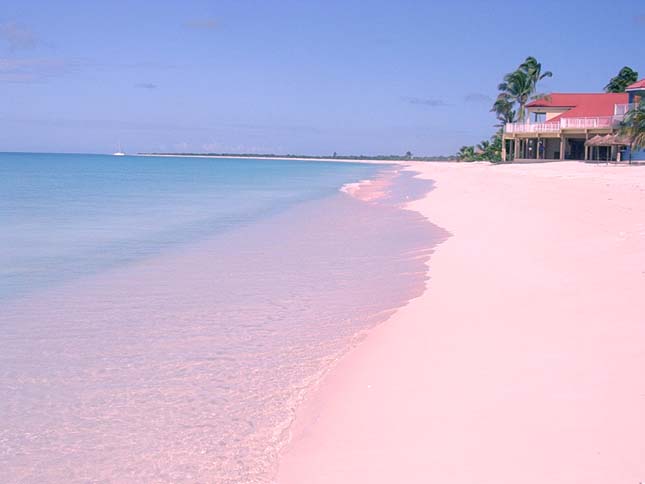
column 517, row 87
column 534, row 70
column 619, row 83
column 495, row 150
column 520, row 86
column 489, row 150
column 484, row 147
column 633, row 126
column 466, row 153
column 503, row 109
column 505, row 113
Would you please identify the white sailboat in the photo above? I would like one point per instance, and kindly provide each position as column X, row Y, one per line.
column 120, row 152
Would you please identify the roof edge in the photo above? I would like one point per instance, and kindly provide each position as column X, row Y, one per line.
column 637, row 86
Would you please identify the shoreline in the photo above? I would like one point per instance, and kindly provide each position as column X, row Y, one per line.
column 299, row 284
column 374, row 190
column 519, row 362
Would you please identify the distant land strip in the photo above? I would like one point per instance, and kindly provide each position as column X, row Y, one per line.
column 311, row 157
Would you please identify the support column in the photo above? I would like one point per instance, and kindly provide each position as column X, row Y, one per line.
column 586, row 147
column 516, row 148
column 562, row 146
column 503, row 148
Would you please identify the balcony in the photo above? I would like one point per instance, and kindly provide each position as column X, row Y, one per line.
column 598, row 122
column 532, row 128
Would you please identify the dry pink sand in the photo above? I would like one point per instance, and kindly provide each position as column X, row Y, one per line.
column 524, row 360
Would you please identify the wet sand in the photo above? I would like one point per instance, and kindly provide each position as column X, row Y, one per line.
column 522, row 361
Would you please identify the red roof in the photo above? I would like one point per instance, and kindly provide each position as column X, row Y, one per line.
column 637, row 85
column 581, row 105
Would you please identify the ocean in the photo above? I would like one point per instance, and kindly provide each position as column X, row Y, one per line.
column 161, row 318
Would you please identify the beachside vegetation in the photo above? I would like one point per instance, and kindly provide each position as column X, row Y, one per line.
column 504, row 110
column 633, row 126
column 520, row 86
column 466, row 153
column 624, row 78
column 486, row 150
column 515, row 91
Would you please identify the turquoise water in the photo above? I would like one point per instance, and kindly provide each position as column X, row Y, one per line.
column 68, row 215
column 163, row 318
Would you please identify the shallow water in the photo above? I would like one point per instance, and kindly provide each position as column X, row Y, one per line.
column 187, row 365
column 64, row 216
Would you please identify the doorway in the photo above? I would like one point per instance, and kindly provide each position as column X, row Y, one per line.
column 576, row 149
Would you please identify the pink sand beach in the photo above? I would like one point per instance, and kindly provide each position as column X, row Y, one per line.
column 523, row 360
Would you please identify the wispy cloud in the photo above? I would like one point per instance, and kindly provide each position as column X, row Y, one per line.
column 32, row 70
column 426, row 101
column 146, row 85
column 17, row 37
column 202, row 24
column 478, row 97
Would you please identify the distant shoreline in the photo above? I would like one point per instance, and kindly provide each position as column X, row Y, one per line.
column 371, row 159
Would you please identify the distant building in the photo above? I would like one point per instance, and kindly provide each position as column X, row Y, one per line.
column 560, row 125
column 636, row 92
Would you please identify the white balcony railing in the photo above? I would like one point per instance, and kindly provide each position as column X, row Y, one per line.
column 590, row 123
column 598, row 122
column 532, row 127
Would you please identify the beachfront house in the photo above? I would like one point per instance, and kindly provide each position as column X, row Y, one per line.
column 573, row 127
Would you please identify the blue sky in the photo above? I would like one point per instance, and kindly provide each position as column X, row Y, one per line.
column 352, row 76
